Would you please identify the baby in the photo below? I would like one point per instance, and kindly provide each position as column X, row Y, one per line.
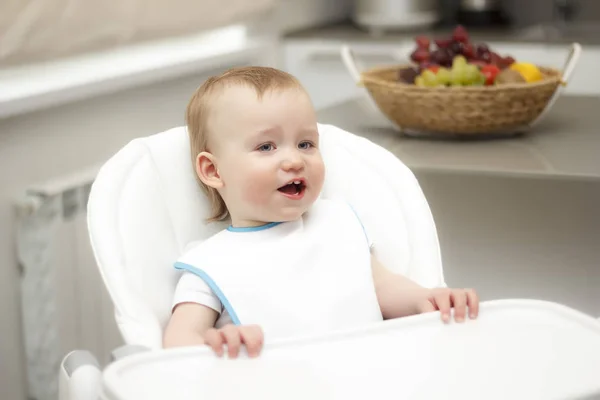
column 290, row 263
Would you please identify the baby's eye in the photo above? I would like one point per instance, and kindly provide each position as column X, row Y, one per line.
column 266, row 147
column 305, row 145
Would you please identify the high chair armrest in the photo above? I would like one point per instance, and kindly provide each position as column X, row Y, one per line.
column 79, row 376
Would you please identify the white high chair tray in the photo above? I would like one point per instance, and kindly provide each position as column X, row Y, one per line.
column 516, row 349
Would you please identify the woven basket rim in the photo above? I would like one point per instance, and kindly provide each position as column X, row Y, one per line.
column 368, row 76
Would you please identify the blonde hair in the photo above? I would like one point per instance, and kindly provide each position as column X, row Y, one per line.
column 261, row 79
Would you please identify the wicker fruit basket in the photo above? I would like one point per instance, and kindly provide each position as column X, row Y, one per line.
column 468, row 110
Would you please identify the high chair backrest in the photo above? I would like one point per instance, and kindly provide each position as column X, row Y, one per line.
column 145, row 206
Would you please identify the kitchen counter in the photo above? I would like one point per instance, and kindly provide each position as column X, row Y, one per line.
column 566, row 144
column 349, row 32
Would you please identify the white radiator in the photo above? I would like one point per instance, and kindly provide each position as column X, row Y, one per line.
column 64, row 303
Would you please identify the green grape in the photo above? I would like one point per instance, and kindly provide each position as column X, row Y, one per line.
column 444, row 76
column 458, row 75
column 480, row 80
column 471, row 74
column 429, row 78
column 459, row 61
column 419, row 81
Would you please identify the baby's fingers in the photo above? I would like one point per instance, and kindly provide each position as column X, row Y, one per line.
column 473, row 302
column 231, row 334
column 459, row 300
column 214, row 340
column 253, row 338
column 442, row 301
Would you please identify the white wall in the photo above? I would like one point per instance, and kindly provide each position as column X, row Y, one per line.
column 49, row 143
column 300, row 14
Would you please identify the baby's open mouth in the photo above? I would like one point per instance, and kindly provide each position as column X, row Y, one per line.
column 293, row 188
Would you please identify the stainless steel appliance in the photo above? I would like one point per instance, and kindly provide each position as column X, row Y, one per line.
column 481, row 13
column 380, row 15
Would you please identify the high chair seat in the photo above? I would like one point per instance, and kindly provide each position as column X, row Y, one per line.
column 145, row 206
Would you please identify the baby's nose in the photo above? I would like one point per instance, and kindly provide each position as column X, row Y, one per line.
column 292, row 162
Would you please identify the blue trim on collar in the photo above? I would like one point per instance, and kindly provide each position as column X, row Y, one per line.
column 252, row 228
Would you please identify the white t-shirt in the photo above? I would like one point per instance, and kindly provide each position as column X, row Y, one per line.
column 192, row 289
column 289, row 278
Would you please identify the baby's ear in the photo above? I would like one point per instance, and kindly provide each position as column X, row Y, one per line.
column 207, row 171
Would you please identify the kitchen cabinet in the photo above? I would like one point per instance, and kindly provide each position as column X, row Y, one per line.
column 318, row 65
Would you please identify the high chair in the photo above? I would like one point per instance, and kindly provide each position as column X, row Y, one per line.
column 145, row 206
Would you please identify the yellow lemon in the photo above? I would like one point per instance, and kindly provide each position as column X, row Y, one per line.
column 529, row 71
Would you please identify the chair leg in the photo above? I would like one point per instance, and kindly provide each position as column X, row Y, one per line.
column 79, row 377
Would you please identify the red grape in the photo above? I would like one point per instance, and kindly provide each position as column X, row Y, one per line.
column 446, row 58
column 495, row 58
column 482, row 48
column 443, row 43
column 460, row 34
column 457, row 47
column 469, row 51
column 441, row 57
column 479, row 63
column 502, row 63
column 507, row 61
column 423, row 42
column 408, row 75
column 424, row 65
column 420, row 55
column 437, row 56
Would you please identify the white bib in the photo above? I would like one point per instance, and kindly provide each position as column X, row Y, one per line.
column 292, row 278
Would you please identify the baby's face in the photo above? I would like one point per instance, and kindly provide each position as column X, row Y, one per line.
column 267, row 154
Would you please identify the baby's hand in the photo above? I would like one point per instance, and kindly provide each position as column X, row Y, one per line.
column 234, row 336
column 443, row 299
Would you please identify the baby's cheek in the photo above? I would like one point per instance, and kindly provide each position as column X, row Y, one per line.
column 319, row 174
column 254, row 191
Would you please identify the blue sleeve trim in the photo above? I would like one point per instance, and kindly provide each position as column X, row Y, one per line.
column 213, row 286
column 361, row 224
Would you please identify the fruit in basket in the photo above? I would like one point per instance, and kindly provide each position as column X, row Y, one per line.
column 509, row 76
column 461, row 73
column 408, row 75
column 442, row 43
column 475, row 77
column 443, row 50
column 423, row 42
column 464, row 74
column 420, row 55
column 441, row 57
column 460, row 34
column 490, row 72
column 507, row 62
column 530, row 72
column 444, row 76
column 469, row 51
column 430, row 78
column 481, row 49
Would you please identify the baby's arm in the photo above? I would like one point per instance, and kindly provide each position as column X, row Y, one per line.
column 188, row 325
column 399, row 296
column 192, row 325
column 396, row 294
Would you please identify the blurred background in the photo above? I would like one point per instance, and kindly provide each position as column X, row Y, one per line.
column 79, row 79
